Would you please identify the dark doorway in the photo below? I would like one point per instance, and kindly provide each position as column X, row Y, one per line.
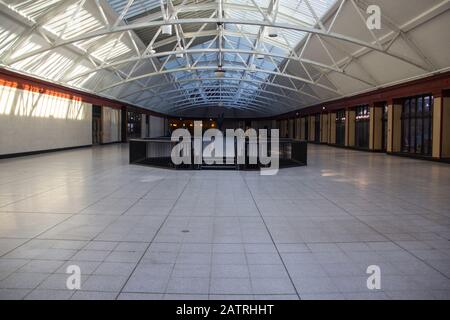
column 96, row 125
column 362, row 127
column 134, row 125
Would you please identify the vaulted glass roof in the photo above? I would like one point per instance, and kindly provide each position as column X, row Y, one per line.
column 253, row 57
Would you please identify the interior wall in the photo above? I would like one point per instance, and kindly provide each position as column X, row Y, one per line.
column 38, row 120
column 291, row 129
column 111, row 125
column 332, row 125
column 376, row 128
column 324, row 128
column 446, row 128
column 312, row 128
column 350, row 128
column 396, row 128
column 302, row 128
column 298, row 129
column 437, row 127
column 157, row 127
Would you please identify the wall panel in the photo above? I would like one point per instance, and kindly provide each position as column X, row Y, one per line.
column 35, row 119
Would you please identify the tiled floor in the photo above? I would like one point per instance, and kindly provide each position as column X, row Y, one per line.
column 147, row 233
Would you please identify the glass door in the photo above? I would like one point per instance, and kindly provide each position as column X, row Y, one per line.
column 362, row 127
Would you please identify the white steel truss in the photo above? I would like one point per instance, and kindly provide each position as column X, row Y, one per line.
column 176, row 55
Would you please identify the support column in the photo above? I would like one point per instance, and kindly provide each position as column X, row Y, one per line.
column 298, row 127
column 376, row 127
column 312, row 128
column 291, row 132
column 394, row 135
column 124, row 124
column 302, row 128
column 437, row 125
column 445, row 128
column 143, row 126
column 350, row 119
column 332, row 126
column 324, row 128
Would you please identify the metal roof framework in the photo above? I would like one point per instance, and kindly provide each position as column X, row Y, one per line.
column 258, row 57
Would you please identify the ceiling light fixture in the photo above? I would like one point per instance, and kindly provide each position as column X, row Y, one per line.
column 260, row 56
column 272, row 32
column 179, row 51
column 219, row 72
column 166, row 29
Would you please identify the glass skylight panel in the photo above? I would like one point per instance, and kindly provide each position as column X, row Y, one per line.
column 112, row 49
column 27, row 46
column 73, row 22
column 52, row 66
column 137, row 8
column 32, row 9
column 6, row 39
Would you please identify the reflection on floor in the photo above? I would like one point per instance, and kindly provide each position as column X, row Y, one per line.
column 147, row 233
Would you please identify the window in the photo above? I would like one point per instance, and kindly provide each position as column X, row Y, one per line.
column 340, row 128
column 362, row 127
column 134, row 125
column 417, row 121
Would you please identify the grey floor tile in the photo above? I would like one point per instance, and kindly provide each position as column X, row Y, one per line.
column 230, row 286
column 45, row 294
column 326, row 225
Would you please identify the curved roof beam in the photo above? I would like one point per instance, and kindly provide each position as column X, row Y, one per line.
column 228, row 102
column 222, row 94
column 226, row 68
column 219, row 87
column 216, row 101
column 213, row 50
column 135, row 26
column 274, row 85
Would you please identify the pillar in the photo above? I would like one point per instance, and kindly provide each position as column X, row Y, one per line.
column 332, row 128
column 394, row 135
column 298, row 127
column 291, row 129
column 324, row 128
column 312, row 128
column 302, row 128
column 143, row 126
column 376, row 128
column 437, row 126
column 350, row 119
column 445, row 128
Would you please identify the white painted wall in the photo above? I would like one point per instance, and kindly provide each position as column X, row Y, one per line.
column 144, row 129
column 157, row 127
column 111, row 128
column 33, row 121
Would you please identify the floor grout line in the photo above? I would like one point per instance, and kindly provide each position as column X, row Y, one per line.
column 154, row 237
column 273, row 241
